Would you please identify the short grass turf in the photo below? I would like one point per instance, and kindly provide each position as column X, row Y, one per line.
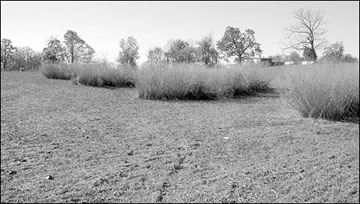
column 67, row 143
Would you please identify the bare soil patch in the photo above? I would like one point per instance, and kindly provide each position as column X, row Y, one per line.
column 66, row 143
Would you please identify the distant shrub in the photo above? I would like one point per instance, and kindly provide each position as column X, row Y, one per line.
column 326, row 91
column 100, row 74
column 57, row 71
column 105, row 76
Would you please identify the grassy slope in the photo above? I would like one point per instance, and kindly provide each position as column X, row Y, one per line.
column 104, row 145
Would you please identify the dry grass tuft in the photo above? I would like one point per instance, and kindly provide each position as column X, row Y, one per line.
column 196, row 82
column 326, row 91
column 57, row 71
column 100, row 75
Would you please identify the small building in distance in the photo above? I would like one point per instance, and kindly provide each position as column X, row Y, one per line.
column 267, row 62
column 278, row 63
column 307, row 62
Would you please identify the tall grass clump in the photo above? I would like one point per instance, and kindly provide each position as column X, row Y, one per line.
column 179, row 81
column 102, row 75
column 196, row 82
column 99, row 74
column 328, row 91
column 228, row 82
column 57, row 71
column 251, row 79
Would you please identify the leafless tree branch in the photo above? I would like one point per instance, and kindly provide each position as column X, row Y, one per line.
column 308, row 31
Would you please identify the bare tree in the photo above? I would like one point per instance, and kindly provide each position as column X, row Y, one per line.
column 7, row 52
column 307, row 33
column 25, row 58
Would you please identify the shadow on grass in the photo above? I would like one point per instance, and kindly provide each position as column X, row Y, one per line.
column 116, row 87
column 344, row 120
column 249, row 98
column 111, row 87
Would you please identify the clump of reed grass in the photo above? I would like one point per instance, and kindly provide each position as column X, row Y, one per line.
column 160, row 81
column 194, row 82
column 328, row 91
column 251, row 80
column 99, row 74
column 57, row 71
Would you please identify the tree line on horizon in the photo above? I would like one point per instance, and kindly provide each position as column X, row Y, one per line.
column 306, row 35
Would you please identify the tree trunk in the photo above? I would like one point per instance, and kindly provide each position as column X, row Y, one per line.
column 4, row 64
column 240, row 56
column 313, row 52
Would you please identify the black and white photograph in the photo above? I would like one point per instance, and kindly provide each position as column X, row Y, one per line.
column 180, row 101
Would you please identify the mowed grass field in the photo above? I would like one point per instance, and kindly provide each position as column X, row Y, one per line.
column 67, row 143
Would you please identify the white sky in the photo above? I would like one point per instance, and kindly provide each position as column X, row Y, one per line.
column 103, row 24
